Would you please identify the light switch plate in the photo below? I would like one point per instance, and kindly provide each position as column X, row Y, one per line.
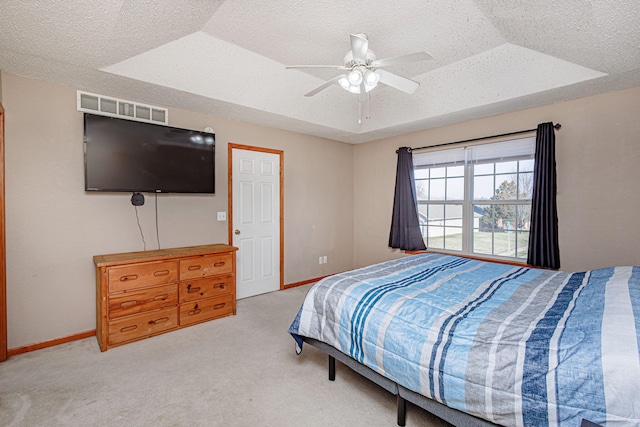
column 222, row 216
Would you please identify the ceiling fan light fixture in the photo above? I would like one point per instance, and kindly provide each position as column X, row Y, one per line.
column 371, row 78
column 343, row 81
column 369, row 87
column 354, row 88
column 355, row 77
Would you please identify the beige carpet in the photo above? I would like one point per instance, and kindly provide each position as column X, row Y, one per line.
column 236, row 371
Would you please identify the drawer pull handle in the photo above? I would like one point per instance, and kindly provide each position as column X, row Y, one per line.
column 128, row 277
column 219, row 286
column 219, row 264
column 195, row 311
column 194, row 267
column 219, row 306
column 160, row 273
column 127, row 304
column 191, row 290
column 161, row 297
column 129, row 328
column 160, row 320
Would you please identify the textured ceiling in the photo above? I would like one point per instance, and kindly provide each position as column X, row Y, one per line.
column 227, row 58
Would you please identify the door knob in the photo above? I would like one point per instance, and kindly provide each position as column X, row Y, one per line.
column 237, row 231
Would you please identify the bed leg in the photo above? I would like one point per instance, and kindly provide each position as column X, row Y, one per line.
column 332, row 368
column 402, row 411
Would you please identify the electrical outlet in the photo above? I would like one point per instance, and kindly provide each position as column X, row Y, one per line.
column 320, row 260
column 324, row 259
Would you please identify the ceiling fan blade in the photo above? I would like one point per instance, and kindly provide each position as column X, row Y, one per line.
column 323, row 86
column 412, row 57
column 335, row 67
column 397, row 82
column 359, row 47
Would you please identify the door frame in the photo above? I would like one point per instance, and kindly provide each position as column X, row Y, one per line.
column 3, row 248
column 280, row 155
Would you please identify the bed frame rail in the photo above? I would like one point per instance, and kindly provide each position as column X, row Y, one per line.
column 402, row 394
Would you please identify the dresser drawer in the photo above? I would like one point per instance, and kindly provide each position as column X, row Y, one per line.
column 126, row 303
column 204, row 266
column 143, row 324
column 135, row 276
column 206, row 288
column 206, row 309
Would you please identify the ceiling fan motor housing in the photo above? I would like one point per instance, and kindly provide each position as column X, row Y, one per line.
column 349, row 62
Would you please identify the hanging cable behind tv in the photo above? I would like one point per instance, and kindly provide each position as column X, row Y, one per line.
column 137, row 199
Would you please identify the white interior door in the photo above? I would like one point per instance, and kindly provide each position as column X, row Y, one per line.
column 256, row 221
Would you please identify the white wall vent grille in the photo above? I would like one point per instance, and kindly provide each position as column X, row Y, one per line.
column 121, row 108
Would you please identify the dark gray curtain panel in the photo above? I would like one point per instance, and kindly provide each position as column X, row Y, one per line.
column 544, row 250
column 405, row 229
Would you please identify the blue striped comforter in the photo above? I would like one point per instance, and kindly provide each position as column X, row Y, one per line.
column 515, row 346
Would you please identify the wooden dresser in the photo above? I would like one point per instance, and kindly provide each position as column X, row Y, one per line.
column 142, row 294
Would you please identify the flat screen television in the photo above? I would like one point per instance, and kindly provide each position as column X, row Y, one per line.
column 130, row 156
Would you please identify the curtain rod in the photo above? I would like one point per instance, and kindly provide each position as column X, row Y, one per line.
column 556, row 127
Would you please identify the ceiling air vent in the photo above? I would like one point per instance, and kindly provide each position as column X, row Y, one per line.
column 121, row 108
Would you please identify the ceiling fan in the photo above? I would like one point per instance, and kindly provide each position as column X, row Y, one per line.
column 363, row 71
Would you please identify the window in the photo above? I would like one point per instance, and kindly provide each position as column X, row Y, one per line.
column 477, row 199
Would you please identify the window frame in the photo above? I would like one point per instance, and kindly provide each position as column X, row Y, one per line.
column 468, row 202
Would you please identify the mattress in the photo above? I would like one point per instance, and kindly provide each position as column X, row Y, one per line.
column 515, row 346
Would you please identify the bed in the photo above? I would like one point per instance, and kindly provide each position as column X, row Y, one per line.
column 482, row 343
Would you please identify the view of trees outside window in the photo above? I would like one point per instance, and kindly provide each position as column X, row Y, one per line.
column 497, row 195
column 503, row 228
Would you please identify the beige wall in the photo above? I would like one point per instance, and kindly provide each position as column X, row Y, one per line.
column 337, row 198
column 598, row 165
column 54, row 227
